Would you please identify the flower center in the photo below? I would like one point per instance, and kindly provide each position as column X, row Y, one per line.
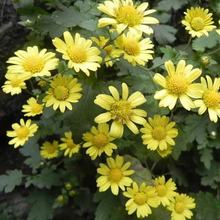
column 127, row 14
column 140, row 198
column 131, row 47
column 15, row 82
column 108, row 49
column 179, row 207
column 161, row 190
column 116, row 174
column 211, row 98
column 100, row 140
column 61, row 92
column 197, row 23
column 77, row 54
column 159, row 133
column 70, row 144
column 177, row 84
column 22, row 132
column 51, row 149
column 33, row 64
column 36, row 108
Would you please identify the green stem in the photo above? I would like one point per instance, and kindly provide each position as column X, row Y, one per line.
column 214, row 51
column 188, row 43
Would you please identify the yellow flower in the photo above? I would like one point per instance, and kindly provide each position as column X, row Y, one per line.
column 33, row 63
column 49, row 150
column 68, row 145
column 114, row 174
column 124, row 13
column 121, row 110
column 14, row 84
column 218, row 30
column 178, row 85
column 78, row 52
column 159, row 133
column 165, row 190
column 209, row 98
column 198, row 21
column 180, row 207
column 166, row 152
column 141, row 199
column 64, row 90
column 22, row 132
column 32, row 108
column 135, row 49
column 98, row 141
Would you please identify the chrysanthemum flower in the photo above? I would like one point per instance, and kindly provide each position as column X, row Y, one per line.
column 32, row 108
column 79, row 52
column 209, row 98
column 159, row 132
column 166, row 152
column 49, row 150
column 165, row 190
column 121, row 110
column 64, row 90
column 134, row 49
column 180, row 207
column 198, row 21
column 178, row 85
column 141, row 199
column 68, row 146
column 124, row 13
column 22, row 132
column 33, row 63
column 98, row 141
column 115, row 175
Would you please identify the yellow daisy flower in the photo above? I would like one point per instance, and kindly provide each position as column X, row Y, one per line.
column 33, row 63
column 209, row 98
column 141, row 199
column 178, row 85
column 159, row 133
column 64, row 90
column 98, row 141
column 135, row 49
column 166, row 152
column 124, row 13
column 49, row 150
column 68, row 145
column 198, row 21
column 22, row 132
column 121, row 110
column 32, row 108
column 165, row 190
column 78, row 52
column 180, row 207
column 115, row 175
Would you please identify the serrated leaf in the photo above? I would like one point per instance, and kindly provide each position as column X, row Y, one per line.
column 90, row 24
column 167, row 5
column 206, row 157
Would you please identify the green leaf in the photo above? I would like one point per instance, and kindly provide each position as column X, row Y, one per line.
column 90, row 24
column 206, row 157
column 167, row 5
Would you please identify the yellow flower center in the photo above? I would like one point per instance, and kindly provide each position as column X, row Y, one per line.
column 108, row 49
column 197, row 23
column 61, row 93
column 140, row 198
column 159, row 133
column 179, row 207
column 127, row 14
column 131, row 47
column 33, row 64
column 116, row 174
column 77, row 54
column 211, row 98
column 177, row 84
column 161, row 190
column 36, row 108
column 100, row 140
column 16, row 82
column 22, row 132
column 51, row 149
column 70, row 144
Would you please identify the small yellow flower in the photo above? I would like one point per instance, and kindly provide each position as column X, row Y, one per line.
column 178, row 85
column 121, row 110
column 180, row 207
column 49, row 150
column 33, row 63
column 22, row 132
column 78, row 52
column 209, row 98
column 115, row 175
column 68, row 145
column 64, row 90
column 159, row 133
column 198, row 21
column 166, row 152
column 141, row 199
column 98, row 141
column 32, row 108
column 124, row 13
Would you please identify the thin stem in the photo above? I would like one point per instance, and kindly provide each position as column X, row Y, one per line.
column 44, row 79
column 188, row 43
column 214, row 51
column 115, row 58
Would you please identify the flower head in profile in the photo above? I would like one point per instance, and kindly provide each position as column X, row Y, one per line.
column 99, row 141
column 141, row 199
column 181, row 207
column 209, row 98
column 122, row 110
column 115, row 174
column 32, row 62
column 64, row 90
column 22, row 132
column 124, row 13
column 79, row 52
column 135, row 49
column 32, row 108
column 166, row 152
column 198, row 21
column 49, row 150
column 178, row 85
column 158, row 133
